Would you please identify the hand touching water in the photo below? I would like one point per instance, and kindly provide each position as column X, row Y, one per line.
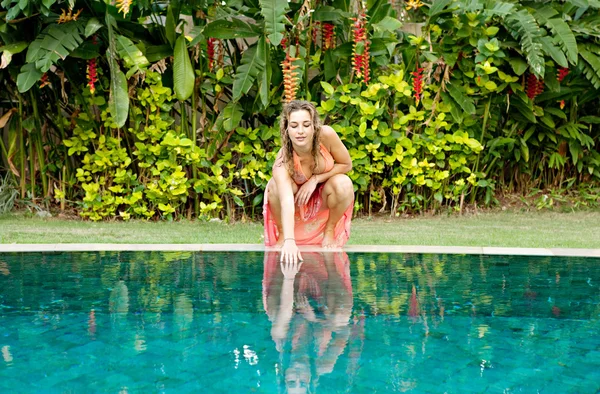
column 290, row 254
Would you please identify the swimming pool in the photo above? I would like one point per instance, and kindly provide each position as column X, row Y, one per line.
column 359, row 322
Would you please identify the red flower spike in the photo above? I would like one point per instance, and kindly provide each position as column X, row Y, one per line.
column 562, row 104
column 210, row 52
column 328, row 36
column 360, row 62
column 562, row 73
column 540, row 86
column 418, row 83
column 532, row 86
column 284, row 43
column 92, row 75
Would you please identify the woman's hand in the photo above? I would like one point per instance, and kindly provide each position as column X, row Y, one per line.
column 290, row 270
column 290, row 254
column 305, row 191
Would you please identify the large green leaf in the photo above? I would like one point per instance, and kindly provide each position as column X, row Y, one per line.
column 265, row 75
column 326, row 13
column 155, row 53
column 230, row 117
column 388, row 24
column 171, row 23
column 524, row 106
column 133, row 57
column 274, row 13
column 438, row 6
column 524, row 27
column 461, row 99
column 253, row 63
column 554, row 51
column 54, row 43
column 86, row 51
column 544, row 13
column 183, row 73
column 225, row 30
column 518, row 65
column 118, row 101
column 14, row 48
column 499, row 8
column 591, row 66
column 28, row 77
column 564, row 37
column 92, row 26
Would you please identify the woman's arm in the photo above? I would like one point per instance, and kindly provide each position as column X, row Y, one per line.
column 286, row 303
column 283, row 181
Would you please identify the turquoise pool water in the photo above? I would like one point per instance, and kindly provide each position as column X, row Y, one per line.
column 234, row 322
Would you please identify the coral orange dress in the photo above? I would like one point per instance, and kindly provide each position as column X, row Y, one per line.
column 309, row 219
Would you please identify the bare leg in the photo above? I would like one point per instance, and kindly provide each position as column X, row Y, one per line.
column 338, row 193
column 275, row 205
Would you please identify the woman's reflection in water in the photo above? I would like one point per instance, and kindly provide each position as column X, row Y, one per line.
column 310, row 307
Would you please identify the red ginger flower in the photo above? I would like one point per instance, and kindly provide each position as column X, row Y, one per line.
column 360, row 62
column 92, row 75
column 540, row 86
column 210, row 52
column 562, row 73
column 418, row 83
column 534, row 86
column 328, row 36
column 290, row 78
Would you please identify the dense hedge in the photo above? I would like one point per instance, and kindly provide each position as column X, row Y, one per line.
column 151, row 111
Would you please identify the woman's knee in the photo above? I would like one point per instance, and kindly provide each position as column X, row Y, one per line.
column 341, row 185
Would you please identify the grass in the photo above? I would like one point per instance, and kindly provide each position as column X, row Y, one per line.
column 538, row 229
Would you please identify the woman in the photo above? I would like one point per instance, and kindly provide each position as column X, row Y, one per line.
column 310, row 198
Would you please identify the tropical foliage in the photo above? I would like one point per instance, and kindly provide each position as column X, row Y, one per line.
column 169, row 109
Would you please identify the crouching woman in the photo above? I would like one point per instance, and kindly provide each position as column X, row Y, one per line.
column 310, row 198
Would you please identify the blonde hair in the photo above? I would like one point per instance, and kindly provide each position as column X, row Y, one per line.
column 286, row 143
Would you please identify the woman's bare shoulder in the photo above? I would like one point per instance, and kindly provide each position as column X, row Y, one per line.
column 327, row 131
column 328, row 136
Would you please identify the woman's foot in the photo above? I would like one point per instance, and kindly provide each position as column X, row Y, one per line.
column 329, row 240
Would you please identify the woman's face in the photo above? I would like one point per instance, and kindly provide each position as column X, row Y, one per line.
column 297, row 379
column 301, row 129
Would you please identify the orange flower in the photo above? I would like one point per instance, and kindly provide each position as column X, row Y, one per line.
column 68, row 16
column 414, row 4
column 290, row 78
column 44, row 80
column 123, row 6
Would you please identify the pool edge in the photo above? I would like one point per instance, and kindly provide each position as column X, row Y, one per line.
column 570, row 252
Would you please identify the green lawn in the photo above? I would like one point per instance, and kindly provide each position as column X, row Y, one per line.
column 544, row 229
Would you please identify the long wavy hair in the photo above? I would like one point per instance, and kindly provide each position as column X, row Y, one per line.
column 286, row 143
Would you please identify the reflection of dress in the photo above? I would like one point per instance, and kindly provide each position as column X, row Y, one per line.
column 312, row 324
column 311, row 218
column 313, row 276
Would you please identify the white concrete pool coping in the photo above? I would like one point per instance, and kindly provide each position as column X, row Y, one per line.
column 472, row 250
